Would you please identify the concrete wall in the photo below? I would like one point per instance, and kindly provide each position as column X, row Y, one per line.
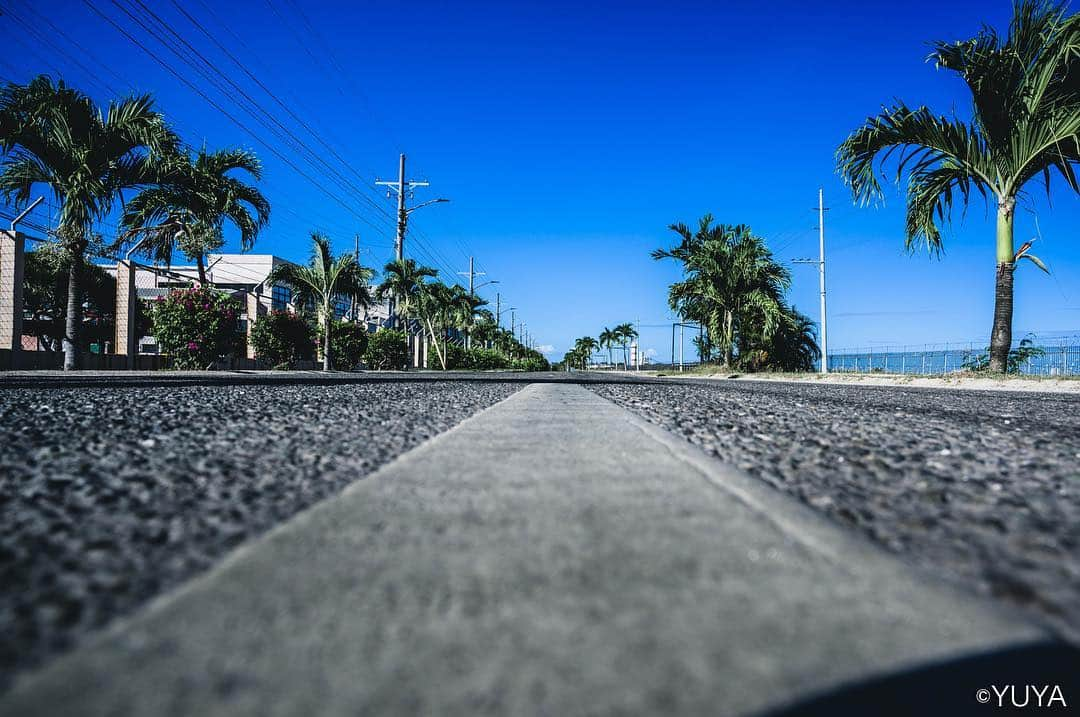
column 12, row 260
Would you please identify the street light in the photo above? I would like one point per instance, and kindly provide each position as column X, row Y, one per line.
column 410, row 210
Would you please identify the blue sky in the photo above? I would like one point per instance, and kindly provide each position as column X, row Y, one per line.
column 569, row 135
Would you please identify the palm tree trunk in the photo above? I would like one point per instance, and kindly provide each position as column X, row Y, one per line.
column 327, row 323
column 74, row 316
column 201, row 264
column 729, row 339
column 1001, row 334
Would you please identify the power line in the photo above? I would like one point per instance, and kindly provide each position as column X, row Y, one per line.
column 193, row 57
column 229, row 115
column 288, row 134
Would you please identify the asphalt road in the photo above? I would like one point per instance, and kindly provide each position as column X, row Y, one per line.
column 111, row 494
column 115, row 490
column 979, row 488
column 553, row 555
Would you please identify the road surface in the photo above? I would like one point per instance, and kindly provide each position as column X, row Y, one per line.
column 553, row 554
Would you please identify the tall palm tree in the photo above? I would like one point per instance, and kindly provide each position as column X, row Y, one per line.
column 1025, row 90
column 585, row 347
column 436, row 305
column 403, row 280
column 322, row 282
column 468, row 306
column 626, row 334
column 609, row 339
column 194, row 199
column 732, row 282
column 54, row 135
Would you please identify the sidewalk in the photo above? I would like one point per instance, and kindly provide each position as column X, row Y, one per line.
column 552, row 555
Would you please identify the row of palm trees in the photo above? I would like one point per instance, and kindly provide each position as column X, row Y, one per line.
column 90, row 158
column 735, row 289
column 443, row 313
column 583, row 349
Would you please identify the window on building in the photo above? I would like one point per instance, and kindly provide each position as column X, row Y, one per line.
column 341, row 307
column 280, row 296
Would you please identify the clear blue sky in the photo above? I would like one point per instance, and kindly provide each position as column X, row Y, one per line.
column 569, row 135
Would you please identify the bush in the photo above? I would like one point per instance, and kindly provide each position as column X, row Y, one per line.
column 481, row 359
column 195, row 326
column 348, row 342
column 455, row 357
column 281, row 339
column 532, row 363
column 385, row 350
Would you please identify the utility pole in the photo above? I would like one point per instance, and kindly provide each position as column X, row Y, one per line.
column 821, row 209
column 403, row 187
column 472, row 273
column 498, row 310
column 355, row 309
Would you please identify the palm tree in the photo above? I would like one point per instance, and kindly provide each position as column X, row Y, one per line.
column 403, row 280
column 732, row 282
column 436, row 304
column 1025, row 123
column 54, row 135
column 626, row 333
column 468, row 306
column 322, row 282
column 609, row 339
column 792, row 346
column 189, row 207
column 585, row 347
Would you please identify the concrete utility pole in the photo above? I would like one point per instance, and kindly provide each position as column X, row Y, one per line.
column 355, row 309
column 472, row 274
column 821, row 209
column 404, row 188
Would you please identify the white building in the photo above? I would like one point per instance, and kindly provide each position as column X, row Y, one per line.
column 241, row 273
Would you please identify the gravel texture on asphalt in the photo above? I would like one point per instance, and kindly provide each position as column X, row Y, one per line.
column 981, row 488
column 110, row 495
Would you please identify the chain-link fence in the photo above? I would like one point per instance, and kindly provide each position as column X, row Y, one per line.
column 1033, row 356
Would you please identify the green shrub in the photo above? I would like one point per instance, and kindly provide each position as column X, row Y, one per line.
column 455, row 357
column 195, row 326
column 481, row 359
column 385, row 350
column 532, row 363
column 281, row 339
column 348, row 343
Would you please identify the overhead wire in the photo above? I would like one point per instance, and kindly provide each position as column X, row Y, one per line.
column 230, row 116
